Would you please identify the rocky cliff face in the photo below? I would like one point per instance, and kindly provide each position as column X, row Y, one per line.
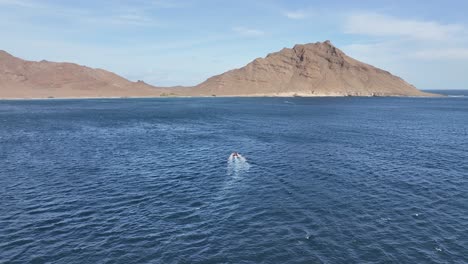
column 318, row 69
column 28, row 79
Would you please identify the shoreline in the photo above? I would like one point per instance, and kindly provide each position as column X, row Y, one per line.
column 224, row 96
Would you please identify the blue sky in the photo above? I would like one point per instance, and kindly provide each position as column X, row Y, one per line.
column 172, row 42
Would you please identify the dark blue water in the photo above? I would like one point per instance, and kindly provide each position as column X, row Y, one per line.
column 327, row 180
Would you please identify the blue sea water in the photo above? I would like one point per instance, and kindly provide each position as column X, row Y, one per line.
column 326, row 180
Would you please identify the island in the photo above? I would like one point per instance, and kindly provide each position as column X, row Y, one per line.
column 307, row 70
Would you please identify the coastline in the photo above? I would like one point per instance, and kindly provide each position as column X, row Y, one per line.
column 220, row 96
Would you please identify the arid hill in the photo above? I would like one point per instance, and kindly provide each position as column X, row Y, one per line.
column 318, row 69
column 44, row 79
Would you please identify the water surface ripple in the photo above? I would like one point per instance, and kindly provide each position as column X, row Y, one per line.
column 326, row 180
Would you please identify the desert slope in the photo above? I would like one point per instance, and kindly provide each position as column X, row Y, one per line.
column 318, row 69
column 27, row 79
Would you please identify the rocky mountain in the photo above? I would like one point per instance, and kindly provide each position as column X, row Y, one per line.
column 318, row 69
column 27, row 79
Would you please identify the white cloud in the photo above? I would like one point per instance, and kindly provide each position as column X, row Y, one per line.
column 373, row 24
column 369, row 49
column 395, row 51
column 406, row 39
column 248, row 32
column 442, row 54
column 295, row 14
column 380, row 54
column 124, row 19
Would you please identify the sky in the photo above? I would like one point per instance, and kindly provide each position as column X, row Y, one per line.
column 183, row 42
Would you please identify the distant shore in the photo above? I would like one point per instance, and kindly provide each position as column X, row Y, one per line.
column 305, row 70
column 430, row 95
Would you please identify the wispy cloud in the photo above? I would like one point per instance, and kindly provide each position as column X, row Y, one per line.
column 442, row 54
column 248, row 32
column 374, row 24
column 18, row 3
column 124, row 19
column 405, row 38
column 118, row 15
column 295, row 14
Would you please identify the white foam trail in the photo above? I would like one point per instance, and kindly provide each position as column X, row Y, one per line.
column 237, row 165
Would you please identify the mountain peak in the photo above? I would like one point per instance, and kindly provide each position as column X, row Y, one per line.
column 311, row 51
column 326, row 45
column 314, row 69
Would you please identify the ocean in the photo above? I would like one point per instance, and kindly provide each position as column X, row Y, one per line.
column 322, row 180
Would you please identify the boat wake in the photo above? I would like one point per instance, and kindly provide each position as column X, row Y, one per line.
column 237, row 165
